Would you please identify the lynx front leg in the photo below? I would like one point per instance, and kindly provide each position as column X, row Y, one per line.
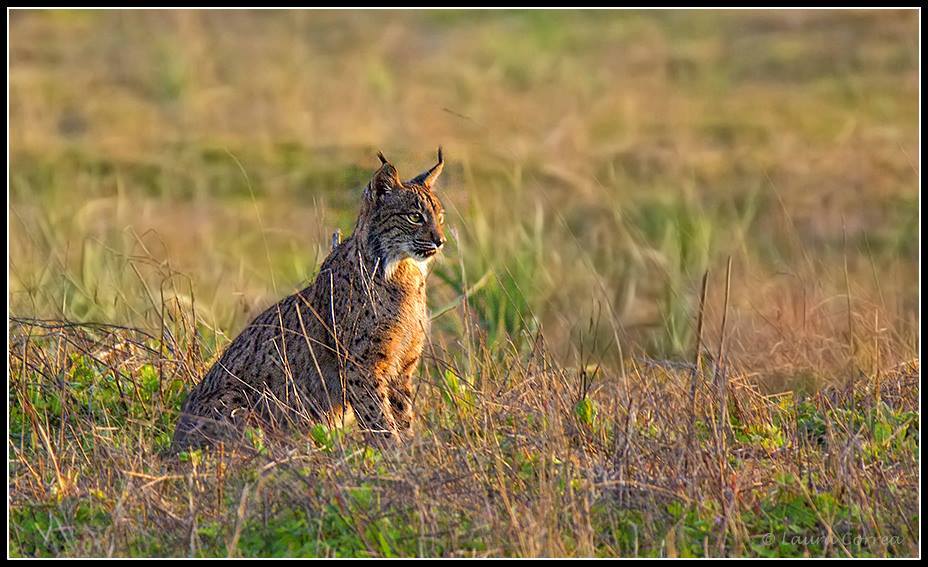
column 369, row 397
column 401, row 393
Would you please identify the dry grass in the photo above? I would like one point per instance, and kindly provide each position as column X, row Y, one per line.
column 172, row 173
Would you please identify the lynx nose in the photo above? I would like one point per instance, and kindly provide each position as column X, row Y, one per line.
column 438, row 240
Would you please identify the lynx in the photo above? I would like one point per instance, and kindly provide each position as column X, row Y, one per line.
column 352, row 339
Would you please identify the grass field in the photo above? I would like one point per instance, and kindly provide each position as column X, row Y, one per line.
column 174, row 173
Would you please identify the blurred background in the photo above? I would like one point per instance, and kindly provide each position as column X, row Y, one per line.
column 598, row 164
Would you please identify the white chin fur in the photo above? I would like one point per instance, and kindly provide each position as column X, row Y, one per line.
column 422, row 264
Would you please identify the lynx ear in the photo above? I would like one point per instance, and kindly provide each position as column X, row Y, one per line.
column 384, row 180
column 428, row 178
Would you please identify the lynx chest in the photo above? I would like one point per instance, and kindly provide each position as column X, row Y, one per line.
column 404, row 321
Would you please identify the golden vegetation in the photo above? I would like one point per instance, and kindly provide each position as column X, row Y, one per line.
column 172, row 173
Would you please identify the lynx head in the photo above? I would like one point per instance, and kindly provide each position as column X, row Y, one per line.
column 402, row 220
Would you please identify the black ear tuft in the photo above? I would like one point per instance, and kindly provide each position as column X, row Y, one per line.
column 428, row 178
column 385, row 179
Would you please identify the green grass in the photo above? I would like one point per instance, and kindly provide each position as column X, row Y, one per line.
column 173, row 173
column 466, row 488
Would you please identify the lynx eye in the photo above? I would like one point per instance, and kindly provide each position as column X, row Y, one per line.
column 414, row 218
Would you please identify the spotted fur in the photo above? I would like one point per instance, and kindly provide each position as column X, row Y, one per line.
column 352, row 339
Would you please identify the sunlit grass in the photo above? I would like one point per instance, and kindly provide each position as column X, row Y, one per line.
column 174, row 173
